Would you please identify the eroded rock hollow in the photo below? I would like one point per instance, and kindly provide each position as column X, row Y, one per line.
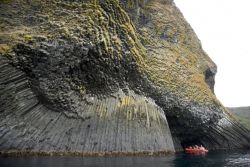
column 107, row 76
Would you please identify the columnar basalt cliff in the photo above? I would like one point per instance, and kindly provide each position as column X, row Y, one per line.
column 106, row 77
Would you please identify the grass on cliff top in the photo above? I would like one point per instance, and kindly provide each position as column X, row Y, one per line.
column 174, row 67
column 244, row 120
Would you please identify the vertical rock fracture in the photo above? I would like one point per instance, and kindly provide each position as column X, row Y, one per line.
column 96, row 77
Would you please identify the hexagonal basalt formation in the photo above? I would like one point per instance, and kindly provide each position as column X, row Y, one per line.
column 106, row 77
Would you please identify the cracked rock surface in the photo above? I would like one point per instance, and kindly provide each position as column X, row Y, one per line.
column 107, row 76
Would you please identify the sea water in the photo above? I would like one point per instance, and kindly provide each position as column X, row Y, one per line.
column 210, row 159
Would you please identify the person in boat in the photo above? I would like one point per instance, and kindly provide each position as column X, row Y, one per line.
column 202, row 148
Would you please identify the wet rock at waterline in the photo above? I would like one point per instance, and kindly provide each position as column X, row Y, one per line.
column 107, row 77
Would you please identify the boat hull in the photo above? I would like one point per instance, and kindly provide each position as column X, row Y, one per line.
column 187, row 150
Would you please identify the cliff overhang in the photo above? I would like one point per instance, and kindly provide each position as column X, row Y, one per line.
column 102, row 77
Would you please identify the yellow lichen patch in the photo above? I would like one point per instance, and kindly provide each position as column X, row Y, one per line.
column 139, row 108
column 102, row 109
column 177, row 67
column 82, row 89
column 5, row 1
column 28, row 38
column 165, row 49
column 135, row 3
column 15, row 35
column 4, row 48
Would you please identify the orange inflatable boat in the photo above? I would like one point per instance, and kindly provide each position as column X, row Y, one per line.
column 196, row 150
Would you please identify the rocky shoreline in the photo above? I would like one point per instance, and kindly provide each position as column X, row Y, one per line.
column 84, row 154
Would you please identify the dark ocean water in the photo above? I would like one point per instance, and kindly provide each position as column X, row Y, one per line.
column 211, row 159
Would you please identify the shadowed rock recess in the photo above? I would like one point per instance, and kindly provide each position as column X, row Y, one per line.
column 106, row 77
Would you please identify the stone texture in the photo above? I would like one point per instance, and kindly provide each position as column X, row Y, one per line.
column 119, row 123
column 107, row 76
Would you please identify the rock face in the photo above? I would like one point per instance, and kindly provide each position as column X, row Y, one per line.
column 123, row 122
column 107, row 76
